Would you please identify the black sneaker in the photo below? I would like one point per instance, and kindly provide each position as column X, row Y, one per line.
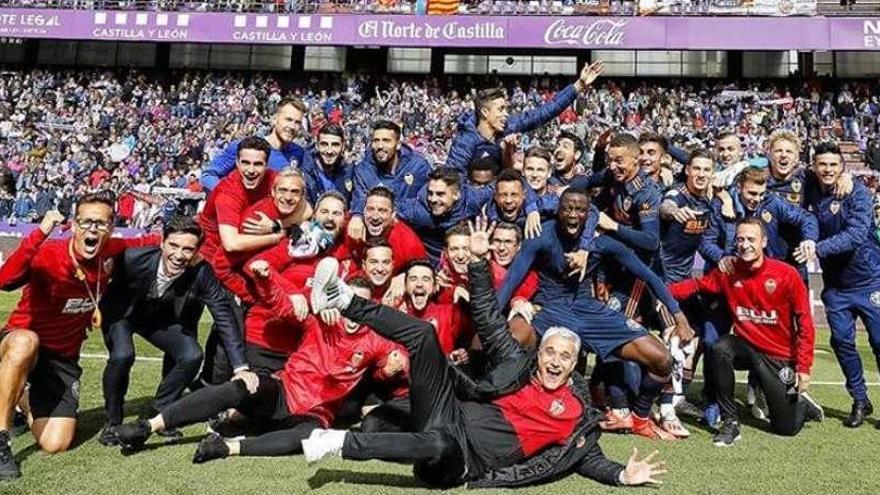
column 223, row 426
column 170, row 436
column 813, row 411
column 211, row 447
column 727, row 435
column 19, row 424
column 108, row 436
column 132, row 436
column 8, row 468
column 688, row 409
column 860, row 411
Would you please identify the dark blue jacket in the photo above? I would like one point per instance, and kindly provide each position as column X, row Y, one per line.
column 224, row 163
column 718, row 241
column 431, row 229
column 848, row 253
column 318, row 181
column 470, row 144
column 546, row 254
column 406, row 181
column 679, row 242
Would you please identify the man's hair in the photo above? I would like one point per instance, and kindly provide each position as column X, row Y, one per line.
column 757, row 222
column 510, row 226
column 725, row 135
column 332, row 130
column 624, row 140
column 574, row 138
column 483, row 98
column 753, row 175
column 575, row 190
column 419, row 262
column 653, row 137
column 701, row 153
column 332, row 194
column 784, row 135
column 181, row 224
column 387, row 125
column 292, row 101
column 382, row 192
column 457, row 229
column 288, row 172
column 538, row 152
column 448, row 175
column 104, row 197
column 361, row 282
column 481, row 163
column 827, row 147
column 564, row 333
column 376, row 242
column 509, row 175
column 254, row 143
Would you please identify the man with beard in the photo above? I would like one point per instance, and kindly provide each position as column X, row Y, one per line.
column 390, row 163
column 849, row 255
column 568, row 300
column 508, row 201
column 306, row 394
column 284, row 208
column 773, row 334
column 380, row 218
column 222, row 214
column 480, row 132
column 442, row 204
column 684, row 216
column 566, row 157
column 62, row 281
column 450, row 325
column 652, row 153
column 324, row 165
column 282, row 151
column 516, row 426
column 160, row 294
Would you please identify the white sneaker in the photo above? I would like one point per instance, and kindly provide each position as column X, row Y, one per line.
column 759, row 407
column 328, row 292
column 322, row 443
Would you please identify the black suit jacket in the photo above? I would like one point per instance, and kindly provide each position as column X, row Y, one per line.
column 196, row 288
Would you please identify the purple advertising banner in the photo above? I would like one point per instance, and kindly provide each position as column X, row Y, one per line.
column 565, row 32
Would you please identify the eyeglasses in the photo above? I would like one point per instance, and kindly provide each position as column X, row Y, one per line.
column 88, row 224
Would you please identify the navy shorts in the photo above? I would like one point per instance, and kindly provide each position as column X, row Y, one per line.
column 602, row 330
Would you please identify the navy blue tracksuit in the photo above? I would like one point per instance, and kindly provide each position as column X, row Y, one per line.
column 849, row 255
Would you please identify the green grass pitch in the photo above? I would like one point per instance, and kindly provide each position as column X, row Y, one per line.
column 824, row 459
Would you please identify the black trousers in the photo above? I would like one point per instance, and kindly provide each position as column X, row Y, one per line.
column 267, row 404
column 776, row 378
column 394, row 415
column 217, row 368
column 436, row 445
column 183, row 356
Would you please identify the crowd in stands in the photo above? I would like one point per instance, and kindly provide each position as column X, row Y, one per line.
column 65, row 132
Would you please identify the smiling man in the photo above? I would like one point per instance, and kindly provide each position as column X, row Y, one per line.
column 773, row 334
column 159, row 294
column 283, row 152
column 324, row 164
column 63, row 281
column 531, row 422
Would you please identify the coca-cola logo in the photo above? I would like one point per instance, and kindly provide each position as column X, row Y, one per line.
column 603, row 32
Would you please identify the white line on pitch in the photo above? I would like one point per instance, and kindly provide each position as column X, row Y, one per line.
column 159, row 360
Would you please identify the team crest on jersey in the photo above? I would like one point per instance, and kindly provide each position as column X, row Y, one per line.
column 409, row 179
column 875, row 298
column 767, row 216
column 294, row 163
column 108, row 266
column 349, row 185
column 557, row 408
column 770, row 285
column 835, row 207
column 613, row 304
column 627, row 204
column 796, row 185
column 357, row 359
column 786, row 375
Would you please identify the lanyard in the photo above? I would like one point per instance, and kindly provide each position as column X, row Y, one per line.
column 81, row 275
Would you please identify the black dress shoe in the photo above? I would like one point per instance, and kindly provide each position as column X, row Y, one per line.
column 860, row 411
column 108, row 436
